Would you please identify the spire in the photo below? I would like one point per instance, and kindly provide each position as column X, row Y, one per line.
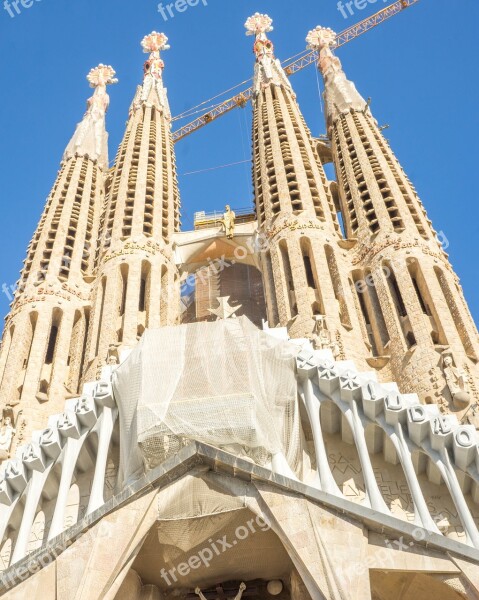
column 137, row 280
column 268, row 68
column 153, row 92
column 341, row 94
column 90, row 137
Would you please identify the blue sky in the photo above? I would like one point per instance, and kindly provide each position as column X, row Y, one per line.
column 419, row 68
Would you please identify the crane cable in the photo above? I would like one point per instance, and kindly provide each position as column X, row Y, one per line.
column 240, row 162
column 189, row 112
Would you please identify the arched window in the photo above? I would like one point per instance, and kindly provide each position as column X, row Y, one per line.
column 338, row 287
column 455, row 313
column 399, row 304
column 288, row 275
column 426, row 302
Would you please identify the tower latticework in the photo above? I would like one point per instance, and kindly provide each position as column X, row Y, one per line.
column 136, row 280
column 411, row 303
column 305, row 275
column 43, row 348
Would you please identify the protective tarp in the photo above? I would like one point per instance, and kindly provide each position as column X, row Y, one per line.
column 200, row 516
column 224, row 383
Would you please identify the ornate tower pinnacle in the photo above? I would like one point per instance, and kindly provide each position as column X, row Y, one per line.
column 341, row 94
column 90, row 138
column 259, row 25
column 136, row 277
column 268, row 69
column 153, row 93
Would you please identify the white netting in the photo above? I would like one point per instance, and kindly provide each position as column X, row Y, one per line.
column 194, row 513
column 225, row 383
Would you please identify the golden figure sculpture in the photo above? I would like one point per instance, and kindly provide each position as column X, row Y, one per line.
column 229, row 222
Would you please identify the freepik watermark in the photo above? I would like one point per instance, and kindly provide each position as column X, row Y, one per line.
column 12, row 290
column 383, row 558
column 168, row 11
column 38, row 561
column 347, row 9
column 260, row 243
column 15, row 7
column 206, row 556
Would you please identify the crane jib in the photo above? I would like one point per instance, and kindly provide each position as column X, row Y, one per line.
column 241, row 99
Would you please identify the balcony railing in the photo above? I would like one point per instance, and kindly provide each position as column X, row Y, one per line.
column 204, row 220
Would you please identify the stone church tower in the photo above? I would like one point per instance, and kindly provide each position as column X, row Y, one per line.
column 412, row 306
column 305, row 274
column 43, row 347
column 136, row 282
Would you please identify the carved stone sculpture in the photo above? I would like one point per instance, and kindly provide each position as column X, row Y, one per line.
column 322, row 338
column 458, row 383
column 224, row 310
column 237, row 597
column 229, row 222
column 7, row 433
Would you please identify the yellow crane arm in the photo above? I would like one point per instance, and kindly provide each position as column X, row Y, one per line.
column 241, row 99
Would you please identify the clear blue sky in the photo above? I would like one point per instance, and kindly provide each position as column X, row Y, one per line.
column 420, row 69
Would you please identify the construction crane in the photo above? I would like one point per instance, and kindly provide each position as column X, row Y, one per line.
column 241, row 99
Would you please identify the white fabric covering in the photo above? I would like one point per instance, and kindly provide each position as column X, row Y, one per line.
column 225, row 383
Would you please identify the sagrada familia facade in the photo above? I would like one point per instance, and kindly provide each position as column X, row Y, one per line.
column 246, row 441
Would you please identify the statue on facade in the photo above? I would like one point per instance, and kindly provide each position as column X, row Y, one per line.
column 7, row 433
column 322, row 339
column 112, row 359
column 458, row 383
column 229, row 222
column 237, row 597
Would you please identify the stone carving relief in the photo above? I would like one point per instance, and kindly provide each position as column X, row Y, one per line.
column 457, row 382
column 134, row 248
column 292, row 226
column 229, row 222
column 238, row 596
column 322, row 338
column 368, row 251
column 7, row 432
column 347, row 471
